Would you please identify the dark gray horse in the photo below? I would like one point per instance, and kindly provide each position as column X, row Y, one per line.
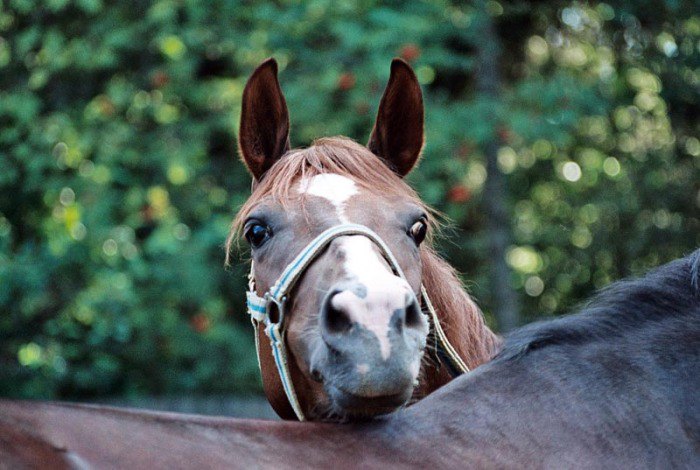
column 616, row 385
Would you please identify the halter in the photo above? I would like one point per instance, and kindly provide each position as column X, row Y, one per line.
column 270, row 308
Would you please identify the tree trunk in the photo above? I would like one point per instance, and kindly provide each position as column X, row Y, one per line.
column 488, row 83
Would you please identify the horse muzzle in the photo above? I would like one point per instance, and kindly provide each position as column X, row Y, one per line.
column 371, row 349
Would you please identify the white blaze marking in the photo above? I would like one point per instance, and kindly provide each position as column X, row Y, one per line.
column 386, row 292
column 335, row 188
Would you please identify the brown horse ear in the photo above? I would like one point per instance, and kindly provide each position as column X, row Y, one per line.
column 397, row 137
column 263, row 136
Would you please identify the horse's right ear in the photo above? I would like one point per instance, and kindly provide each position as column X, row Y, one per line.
column 263, row 136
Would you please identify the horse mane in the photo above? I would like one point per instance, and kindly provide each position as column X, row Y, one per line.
column 476, row 343
column 345, row 157
column 670, row 292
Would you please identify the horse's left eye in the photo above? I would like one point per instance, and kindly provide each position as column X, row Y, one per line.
column 418, row 231
column 257, row 234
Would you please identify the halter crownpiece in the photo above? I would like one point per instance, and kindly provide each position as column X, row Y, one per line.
column 270, row 308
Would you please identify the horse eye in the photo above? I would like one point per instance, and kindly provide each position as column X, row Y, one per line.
column 257, row 234
column 418, row 231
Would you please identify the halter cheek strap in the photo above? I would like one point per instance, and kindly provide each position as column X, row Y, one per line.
column 269, row 310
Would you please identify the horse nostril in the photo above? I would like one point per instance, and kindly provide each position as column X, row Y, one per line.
column 335, row 319
column 414, row 316
column 316, row 375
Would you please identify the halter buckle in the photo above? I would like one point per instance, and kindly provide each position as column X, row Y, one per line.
column 274, row 317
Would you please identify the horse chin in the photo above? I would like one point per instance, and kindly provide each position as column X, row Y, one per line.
column 348, row 406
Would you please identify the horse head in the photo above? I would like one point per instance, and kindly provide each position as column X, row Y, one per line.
column 336, row 237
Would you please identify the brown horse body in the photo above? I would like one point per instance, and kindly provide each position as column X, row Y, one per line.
column 354, row 334
column 612, row 387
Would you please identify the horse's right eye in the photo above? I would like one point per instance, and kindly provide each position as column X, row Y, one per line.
column 257, row 234
column 418, row 231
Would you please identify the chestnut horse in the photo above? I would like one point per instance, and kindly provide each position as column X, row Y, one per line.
column 343, row 267
column 615, row 386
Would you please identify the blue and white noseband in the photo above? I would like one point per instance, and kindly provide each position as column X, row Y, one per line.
column 272, row 304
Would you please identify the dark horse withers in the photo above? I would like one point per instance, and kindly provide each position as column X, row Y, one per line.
column 341, row 269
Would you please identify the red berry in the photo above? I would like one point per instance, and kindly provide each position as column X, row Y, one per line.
column 346, row 81
column 459, row 193
column 504, row 134
column 410, row 52
column 200, row 323
column 159, row 79
column 464, row 150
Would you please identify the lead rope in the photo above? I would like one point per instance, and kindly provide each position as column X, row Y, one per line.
column 259, row 307
column 456, row 362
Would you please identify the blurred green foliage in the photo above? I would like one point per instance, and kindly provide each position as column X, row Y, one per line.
column 118, row 176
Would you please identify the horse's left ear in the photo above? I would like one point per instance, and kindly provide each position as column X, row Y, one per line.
column 263, row 136
column 397, row 137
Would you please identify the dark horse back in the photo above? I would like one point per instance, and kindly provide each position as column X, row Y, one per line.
column 615, row 385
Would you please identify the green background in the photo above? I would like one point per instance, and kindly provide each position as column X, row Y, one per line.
column 119, row 176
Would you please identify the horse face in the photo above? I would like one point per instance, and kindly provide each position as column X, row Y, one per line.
column 354, row 328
